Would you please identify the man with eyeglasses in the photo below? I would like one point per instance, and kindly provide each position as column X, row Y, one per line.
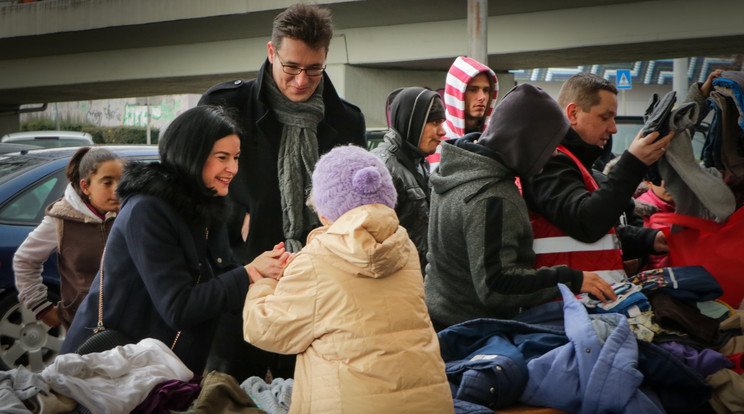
column 290, row 115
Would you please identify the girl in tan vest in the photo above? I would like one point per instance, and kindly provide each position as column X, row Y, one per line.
column 76, row 228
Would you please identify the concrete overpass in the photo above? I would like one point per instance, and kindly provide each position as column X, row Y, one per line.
column 67, row 50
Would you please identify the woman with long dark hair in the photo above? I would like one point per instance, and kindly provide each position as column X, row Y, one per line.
column 168, row 270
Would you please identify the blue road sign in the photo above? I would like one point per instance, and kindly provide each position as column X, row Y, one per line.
column 623, row 79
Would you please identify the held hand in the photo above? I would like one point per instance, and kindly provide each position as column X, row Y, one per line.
column 648, row 151
column 51, row 318
column 660, row 243
column 253, row 274
column 271, row 263
column 598, row 287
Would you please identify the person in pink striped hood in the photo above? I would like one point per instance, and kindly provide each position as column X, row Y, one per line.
column 469, row 97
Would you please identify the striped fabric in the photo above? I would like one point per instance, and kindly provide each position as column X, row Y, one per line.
column 460, row 73
column 553, row 247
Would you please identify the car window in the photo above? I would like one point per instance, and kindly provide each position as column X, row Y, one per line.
column 375, row 137
column 12, row 166
column 626, row 132
column 29, row 206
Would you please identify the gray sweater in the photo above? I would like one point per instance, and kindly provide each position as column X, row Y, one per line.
column 480, row 242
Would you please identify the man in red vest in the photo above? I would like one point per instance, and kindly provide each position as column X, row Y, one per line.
column 582, row 218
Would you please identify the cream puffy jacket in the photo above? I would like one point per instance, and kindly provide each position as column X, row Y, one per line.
column 351, row 305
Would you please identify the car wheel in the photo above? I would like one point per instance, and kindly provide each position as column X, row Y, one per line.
column 25, row 340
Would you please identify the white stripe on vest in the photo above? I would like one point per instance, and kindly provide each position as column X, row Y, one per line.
column 568, row 244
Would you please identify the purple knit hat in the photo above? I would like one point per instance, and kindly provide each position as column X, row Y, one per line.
column 348, row 177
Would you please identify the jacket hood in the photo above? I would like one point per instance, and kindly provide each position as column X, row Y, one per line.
column 366, row 240
column 462, row 71
column 525, row 128
column 464, row 161
column 408, row 112
column 157, row 180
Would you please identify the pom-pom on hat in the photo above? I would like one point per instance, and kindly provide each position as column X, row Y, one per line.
column 348, row 177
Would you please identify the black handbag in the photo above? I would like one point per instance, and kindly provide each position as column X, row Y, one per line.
column 103, row 338
column 103, row 341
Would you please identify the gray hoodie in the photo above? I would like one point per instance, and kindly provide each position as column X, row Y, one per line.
column 480, row 240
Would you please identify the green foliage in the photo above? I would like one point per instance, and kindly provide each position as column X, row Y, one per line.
column 101, row 135
column 39, row 125
column 121, row 135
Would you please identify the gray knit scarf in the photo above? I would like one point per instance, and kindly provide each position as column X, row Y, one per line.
column 298, row 153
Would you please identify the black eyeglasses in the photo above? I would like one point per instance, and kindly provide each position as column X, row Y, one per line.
column 296, row 70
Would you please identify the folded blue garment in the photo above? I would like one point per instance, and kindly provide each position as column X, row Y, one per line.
column 683, row 282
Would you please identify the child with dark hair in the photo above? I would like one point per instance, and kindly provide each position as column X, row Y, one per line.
column 169, row 270
column 351, row 302
column 76, row 227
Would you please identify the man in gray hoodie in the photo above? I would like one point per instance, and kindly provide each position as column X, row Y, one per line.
column 480, row 240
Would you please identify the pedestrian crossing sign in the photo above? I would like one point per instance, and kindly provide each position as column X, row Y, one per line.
column 623, row 79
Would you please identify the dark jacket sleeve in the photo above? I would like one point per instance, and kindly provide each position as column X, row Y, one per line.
column 496, row 246
column 560, row 195
column 165, row 256
column 359, row 136
column 637, row 241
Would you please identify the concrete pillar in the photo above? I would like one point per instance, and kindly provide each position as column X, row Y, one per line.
column 9, row 119
column 680, row 84
column 478, row 30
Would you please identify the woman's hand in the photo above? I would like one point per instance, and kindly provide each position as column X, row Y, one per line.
column 269, row 264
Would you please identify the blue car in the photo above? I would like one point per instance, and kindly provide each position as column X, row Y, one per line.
column 29, row 182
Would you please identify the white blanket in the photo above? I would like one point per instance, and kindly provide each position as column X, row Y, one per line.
column 117, row 380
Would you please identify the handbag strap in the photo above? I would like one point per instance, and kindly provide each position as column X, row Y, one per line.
column 100, row 326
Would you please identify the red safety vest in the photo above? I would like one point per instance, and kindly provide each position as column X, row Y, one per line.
column 554, row 247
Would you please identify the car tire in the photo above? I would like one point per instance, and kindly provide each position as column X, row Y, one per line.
column 25, row 340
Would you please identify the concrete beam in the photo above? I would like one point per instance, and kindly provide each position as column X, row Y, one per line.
column 545, row 38
column 621, row 30
column 73, row 15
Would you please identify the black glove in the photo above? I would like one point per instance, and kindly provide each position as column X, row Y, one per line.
column 658, row 113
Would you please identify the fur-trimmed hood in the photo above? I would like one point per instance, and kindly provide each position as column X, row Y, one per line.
column 188, row 200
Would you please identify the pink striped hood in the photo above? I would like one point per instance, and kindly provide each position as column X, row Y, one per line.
column 462, row 71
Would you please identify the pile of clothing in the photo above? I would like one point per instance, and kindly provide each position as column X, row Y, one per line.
column 665, row 346
column 146, row 377
column 724, row 144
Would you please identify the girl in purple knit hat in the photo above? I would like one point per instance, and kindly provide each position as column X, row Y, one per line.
column 351, row 303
